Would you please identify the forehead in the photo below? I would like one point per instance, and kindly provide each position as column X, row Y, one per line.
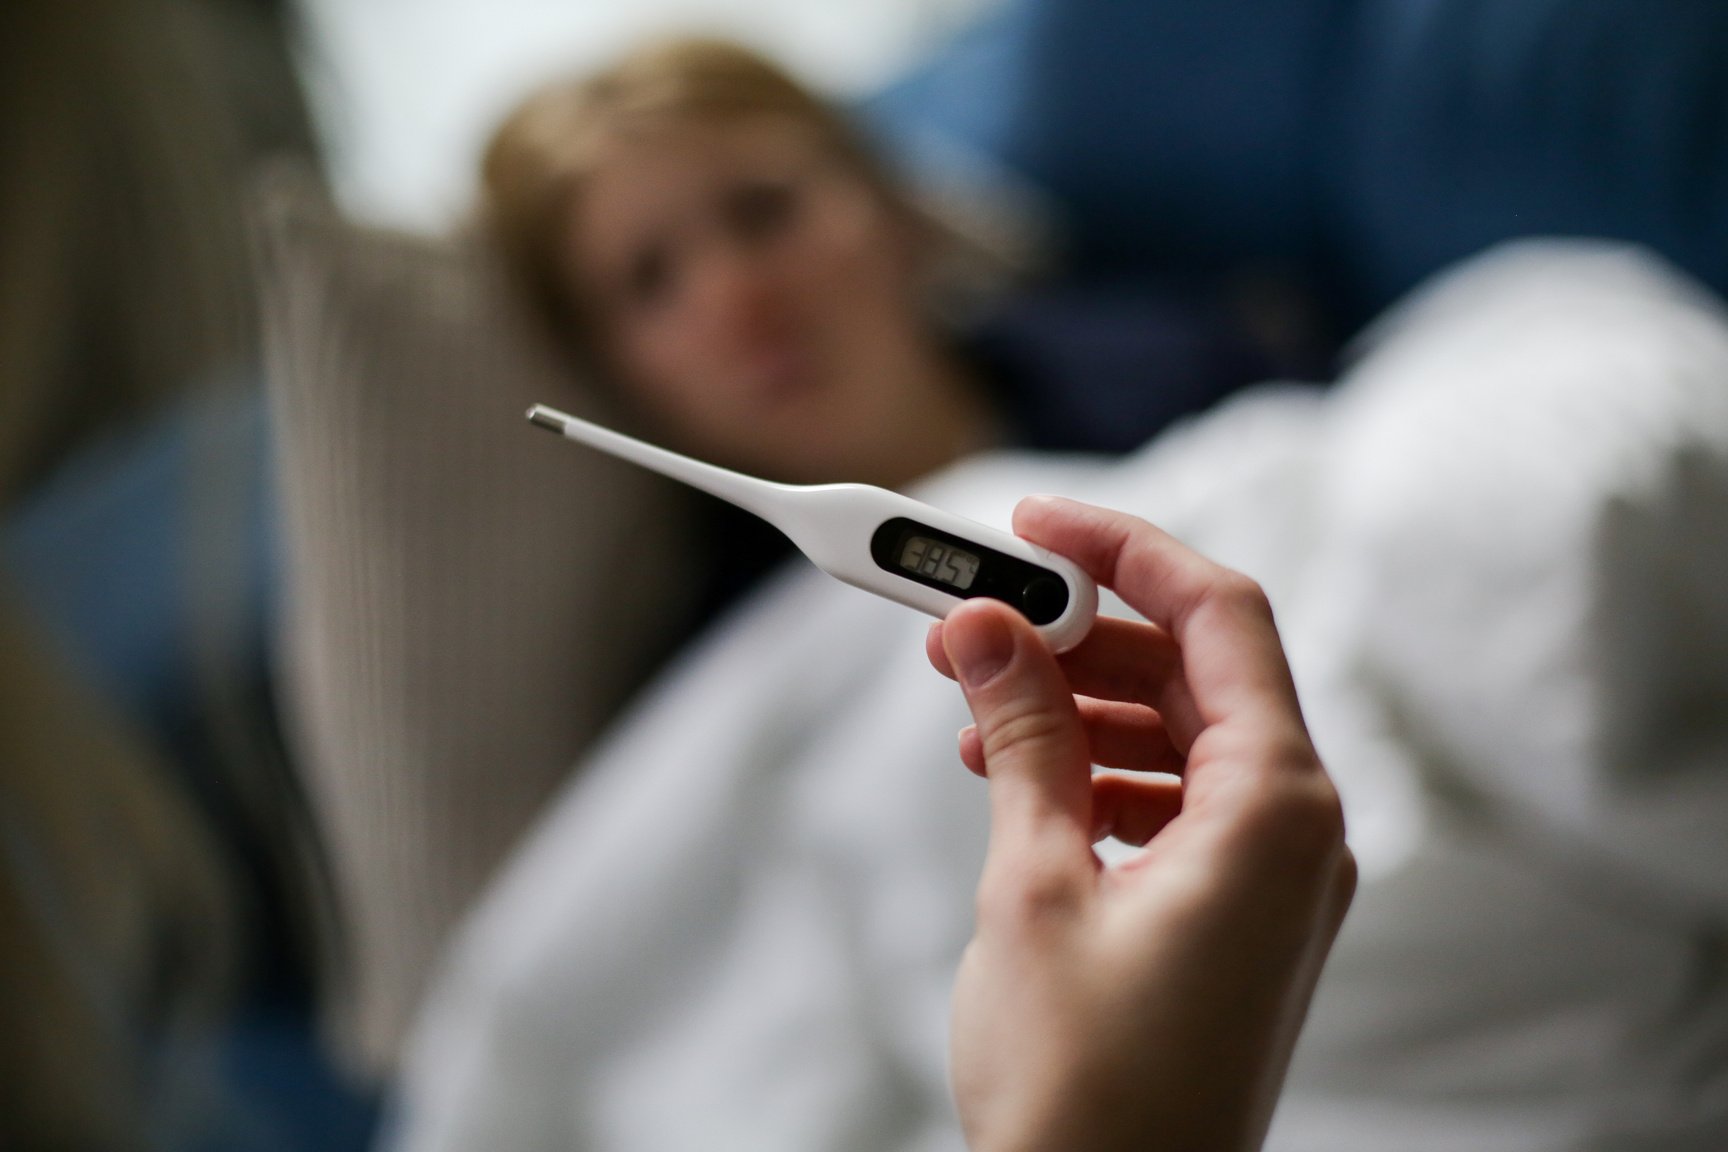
column 654, row 177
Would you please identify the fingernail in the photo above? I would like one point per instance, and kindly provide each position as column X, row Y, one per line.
column 968, row 739
column 980, row 648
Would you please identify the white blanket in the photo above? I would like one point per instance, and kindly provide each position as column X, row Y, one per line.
column 1498, row 553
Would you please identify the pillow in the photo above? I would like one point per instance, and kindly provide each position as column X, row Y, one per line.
column 468, row 599
column 1364, row 144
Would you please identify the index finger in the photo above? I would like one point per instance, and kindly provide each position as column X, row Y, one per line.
column 1221, row 620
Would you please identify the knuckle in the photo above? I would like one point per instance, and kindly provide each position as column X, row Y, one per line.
column 1298, row 822
column 1314, row 832
column 1344, row 879
column 1023, row 724
column 1025, row 895
column 1242, row 594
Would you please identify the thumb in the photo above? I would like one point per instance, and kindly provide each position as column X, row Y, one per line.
column 1035, row 747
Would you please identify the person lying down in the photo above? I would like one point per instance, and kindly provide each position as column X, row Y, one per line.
column 739, row 926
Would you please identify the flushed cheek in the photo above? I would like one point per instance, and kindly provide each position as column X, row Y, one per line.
column 648, row 368
column 690, row 391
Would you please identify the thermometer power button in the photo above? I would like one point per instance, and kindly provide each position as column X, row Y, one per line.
column 1043, row 599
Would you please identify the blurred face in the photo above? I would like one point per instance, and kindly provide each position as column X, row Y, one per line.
column 756, row 298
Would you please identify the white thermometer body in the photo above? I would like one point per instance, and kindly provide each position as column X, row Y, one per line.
column 881, row 541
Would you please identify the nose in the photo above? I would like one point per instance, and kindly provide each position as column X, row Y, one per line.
column 736, row 295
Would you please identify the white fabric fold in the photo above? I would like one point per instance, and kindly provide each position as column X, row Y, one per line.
column 1496, row 552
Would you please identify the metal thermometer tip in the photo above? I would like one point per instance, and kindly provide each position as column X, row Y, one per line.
column 544, row 417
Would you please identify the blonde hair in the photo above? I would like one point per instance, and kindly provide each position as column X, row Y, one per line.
column 538, row 159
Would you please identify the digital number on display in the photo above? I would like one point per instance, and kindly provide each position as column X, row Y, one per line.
column 940, row 561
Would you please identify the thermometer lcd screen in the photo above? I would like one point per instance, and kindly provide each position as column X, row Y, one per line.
column 939, row 561
column 966, row 568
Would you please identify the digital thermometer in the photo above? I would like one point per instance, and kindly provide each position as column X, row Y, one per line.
column 881, row 541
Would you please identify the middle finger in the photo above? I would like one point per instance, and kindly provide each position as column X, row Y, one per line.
column 1127, row 660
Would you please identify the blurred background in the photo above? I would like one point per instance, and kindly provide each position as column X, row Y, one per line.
column 164, row 907
column 404, row 95
column 1220, row 192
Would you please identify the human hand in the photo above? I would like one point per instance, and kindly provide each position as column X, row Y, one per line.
column 1154, row 1003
